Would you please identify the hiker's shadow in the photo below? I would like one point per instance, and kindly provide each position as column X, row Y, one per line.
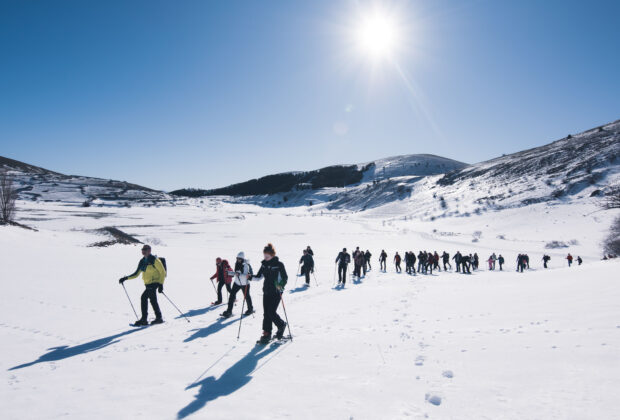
column 301, row 288
column 235, row 378
column 219, row 325
column 198, row 312
column 64, row 352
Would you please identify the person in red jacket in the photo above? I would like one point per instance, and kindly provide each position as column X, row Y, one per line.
column 221, row 274
column 397, row 263
column 570, row 259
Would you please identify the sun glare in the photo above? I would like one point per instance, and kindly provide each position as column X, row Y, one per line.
column 377, row 34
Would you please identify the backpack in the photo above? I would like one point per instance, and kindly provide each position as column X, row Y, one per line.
column 163, row 261
column 250, row 271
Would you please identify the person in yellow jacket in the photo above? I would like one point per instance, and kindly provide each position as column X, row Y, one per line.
column 153, row 274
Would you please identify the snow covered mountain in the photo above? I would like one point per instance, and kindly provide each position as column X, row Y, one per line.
column 39, row 184
column 574, row 168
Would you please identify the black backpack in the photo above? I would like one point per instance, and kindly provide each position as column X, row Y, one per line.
column 163, row 261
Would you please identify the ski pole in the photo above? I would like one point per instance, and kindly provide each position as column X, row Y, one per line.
column 128, row 298
column 214, row 288
column 242, row 308
column 186, row 318
column 286, row 316
column 315, row 280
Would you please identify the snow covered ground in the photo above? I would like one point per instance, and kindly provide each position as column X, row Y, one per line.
column 493, row 345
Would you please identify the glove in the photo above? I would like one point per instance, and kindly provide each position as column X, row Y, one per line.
column 160, row 289
column 122, row 280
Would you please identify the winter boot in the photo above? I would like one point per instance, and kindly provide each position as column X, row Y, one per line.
column 250, row 311
column 157, row 321
column 140, row 323
column 226, row 314
column 280, row 332
column 265, row 338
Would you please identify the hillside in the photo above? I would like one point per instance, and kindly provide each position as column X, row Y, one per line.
column 39, row 184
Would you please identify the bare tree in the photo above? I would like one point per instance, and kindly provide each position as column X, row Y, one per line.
column 8, row 196
column 612, row 198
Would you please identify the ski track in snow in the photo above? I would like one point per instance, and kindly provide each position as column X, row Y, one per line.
column 543, row 344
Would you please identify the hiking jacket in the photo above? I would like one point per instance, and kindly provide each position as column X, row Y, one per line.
column 152, row 270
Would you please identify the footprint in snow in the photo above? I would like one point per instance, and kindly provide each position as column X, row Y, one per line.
column 433, row 399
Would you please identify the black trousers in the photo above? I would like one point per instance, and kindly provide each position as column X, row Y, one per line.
column 342, row 273
column 220, row 285
column 368, row 263
column 398, row 269
column 270, row 314
column 233, row 294
column 306, row 271
column 444, row 266
column 382, row 265
column 500, row 266
column 150, row 293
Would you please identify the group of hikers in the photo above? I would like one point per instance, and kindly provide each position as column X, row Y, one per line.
column 272, row 270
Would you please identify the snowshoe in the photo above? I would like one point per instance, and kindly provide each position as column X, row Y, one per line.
column 217, row 302
column 264, row 339
column 157, row 321
column 280, row 332
column 226, row 314
column 140, row 323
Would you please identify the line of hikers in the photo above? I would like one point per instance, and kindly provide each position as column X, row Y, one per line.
column 154, row 272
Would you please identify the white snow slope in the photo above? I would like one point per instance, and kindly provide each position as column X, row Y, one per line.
column 492, row 345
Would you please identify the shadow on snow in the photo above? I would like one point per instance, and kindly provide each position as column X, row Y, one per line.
column 218, row 325
column 198, row 312
column 64, row 352
column 235, row 378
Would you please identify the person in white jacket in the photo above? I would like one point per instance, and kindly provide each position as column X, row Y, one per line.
column 242, row 276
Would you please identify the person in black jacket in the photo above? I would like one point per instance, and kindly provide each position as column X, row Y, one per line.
column 307, row 265
column 367, row 256
column 275, row 279
column 382, row 260
column 343, row 259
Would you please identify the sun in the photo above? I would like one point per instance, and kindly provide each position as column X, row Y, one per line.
column 377, row 34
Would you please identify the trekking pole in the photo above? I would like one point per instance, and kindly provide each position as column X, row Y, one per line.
column 128, row 298
column 186, row 318
column 286, row 316
column 214, row 288
column 315, row 280
column 242, row 308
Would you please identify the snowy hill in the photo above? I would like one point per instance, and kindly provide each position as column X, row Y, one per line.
column 39, row 184
column 579, row 167
column 332, row 177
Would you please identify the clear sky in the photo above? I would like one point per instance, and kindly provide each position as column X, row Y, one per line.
column 171, row 94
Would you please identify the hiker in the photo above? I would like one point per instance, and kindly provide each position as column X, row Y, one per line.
column 397, row 262
column 494, row 258
column 500, row 260
column 465, row 263
column 343, row 259
column 153, row 275
column 309, row 251
column 476, row 261
column 275, row 277
column 422, row 262
column 242, row 276
column 457, row 260
column 546, row 259
column 367, row 256
column 490, row 261
column 436, row 261
column 579, row 260
column 407, row 262
column 382, row 260
column 223, row 279
column 307, row 265
column 569, row 258
column 358, row 259
column 446, row 260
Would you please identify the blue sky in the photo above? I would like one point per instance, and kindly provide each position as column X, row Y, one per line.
column 207, row 93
